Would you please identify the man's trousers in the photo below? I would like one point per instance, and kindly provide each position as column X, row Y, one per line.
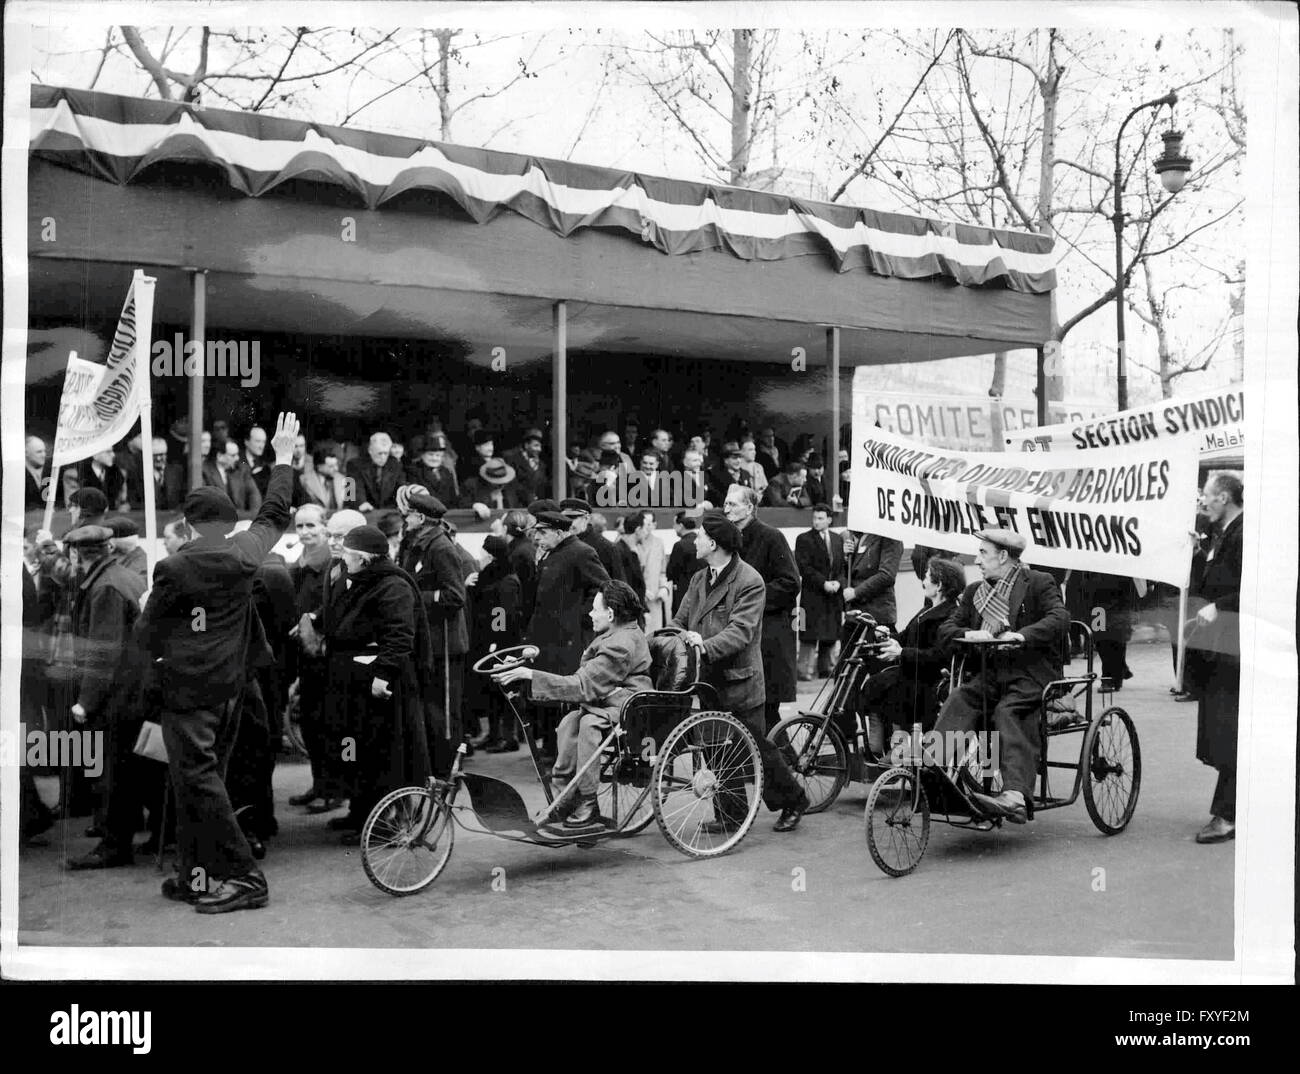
column 1014, row 702
column 209, row 843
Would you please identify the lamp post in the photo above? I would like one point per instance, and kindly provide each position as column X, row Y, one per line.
column 1172, row 167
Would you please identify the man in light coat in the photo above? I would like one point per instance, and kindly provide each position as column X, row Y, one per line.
column 722, row 614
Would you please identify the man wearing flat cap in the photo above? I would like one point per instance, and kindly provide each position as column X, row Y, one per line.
column 722, row 614
column 200, row 625
column 105, row 606
column 428, row 555
column 569, row 575
column 126, row 545
column 1013, row 603
column 578, row 512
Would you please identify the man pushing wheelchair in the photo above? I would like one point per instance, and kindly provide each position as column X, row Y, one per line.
column 1018, row 605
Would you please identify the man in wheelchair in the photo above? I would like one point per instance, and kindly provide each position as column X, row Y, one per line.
column 614, row 666
column 1016, row 604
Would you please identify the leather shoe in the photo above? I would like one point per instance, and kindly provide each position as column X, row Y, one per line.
column 307, row 797
column 1217, row 831
column 329, row 805
column 1008, row 805
column 789, row 819
column 1185, row 696
column 173, row 889
column 101, row 858
column 247, row 892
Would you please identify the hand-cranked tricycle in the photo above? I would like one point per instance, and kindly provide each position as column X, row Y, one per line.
column 666, row 759
column 1109, row 769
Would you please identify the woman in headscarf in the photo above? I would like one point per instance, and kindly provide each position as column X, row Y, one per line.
column 379, row 656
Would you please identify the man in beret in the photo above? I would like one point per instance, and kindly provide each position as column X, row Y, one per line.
column 428, row 555
column 126, row 545
column 105, row 607
column 578, row 512
column 569, row 574
column 722, row 614
column 86, row 507
column 200, row 625
column 1017, row 604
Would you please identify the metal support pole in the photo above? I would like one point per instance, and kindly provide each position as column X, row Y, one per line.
column 1040, row 381
column 198, row 332
column 833, row 454
column 559, row 400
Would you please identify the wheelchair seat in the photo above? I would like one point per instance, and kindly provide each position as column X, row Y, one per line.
column 652, row 714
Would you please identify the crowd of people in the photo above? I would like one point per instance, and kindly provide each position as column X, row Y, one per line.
column 365, row 640
column 465, row 471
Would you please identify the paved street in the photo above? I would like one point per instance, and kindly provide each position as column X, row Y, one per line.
column 1015, row 891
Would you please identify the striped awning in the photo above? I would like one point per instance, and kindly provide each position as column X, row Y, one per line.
column 117, row 138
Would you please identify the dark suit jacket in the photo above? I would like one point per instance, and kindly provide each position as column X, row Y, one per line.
column 608, row 554
column 630, row 567
column 105, row 607
column 720, row 480
column 34, row 496
column 777, row 494
column 682, row 565
column 822, row 611
column 523, row 561
column 207, row 667
column 567, row 582
column 378, row 490
column 765, row 549
column 729, row 617
column 1035, row 610
column 871, row 577
column 441, row 483
column 170, row 494
column 239, row 486
column 532, row 484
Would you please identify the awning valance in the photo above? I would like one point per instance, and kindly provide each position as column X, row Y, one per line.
column 115, row 138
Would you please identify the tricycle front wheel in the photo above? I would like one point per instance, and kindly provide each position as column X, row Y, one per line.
column 407, row 839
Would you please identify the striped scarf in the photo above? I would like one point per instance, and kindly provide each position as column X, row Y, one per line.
column 993, row 602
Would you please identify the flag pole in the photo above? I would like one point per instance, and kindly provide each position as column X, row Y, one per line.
column 144, row 340
column 52, row 490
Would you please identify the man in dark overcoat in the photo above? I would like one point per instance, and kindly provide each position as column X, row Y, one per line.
column 1016, row 604
column 1217, row 641
column 819, row 555
column 429, row 555
column 722, row 613
column 765, row 549
column 198, row 622
column 568, row 578
column 105, row 607
column 578, row 512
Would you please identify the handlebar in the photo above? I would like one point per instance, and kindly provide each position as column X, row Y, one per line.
column 505, row 659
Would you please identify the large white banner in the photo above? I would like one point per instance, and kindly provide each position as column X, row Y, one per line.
column 1214, row 421
column 1123, row 511
column 955, row 420
column 101, row 403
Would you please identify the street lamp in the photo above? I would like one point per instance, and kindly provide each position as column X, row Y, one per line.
column 1172, row 167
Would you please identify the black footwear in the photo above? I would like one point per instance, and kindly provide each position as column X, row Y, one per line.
column 344, row 824
column 329, row 805
column 1007, row 805
column 173, row 889
column 503, row 746
column 585, row 814
column 1185, row 696
column 1217, row 831
column 307, row 796
column 789, row 819
column 247, row 892
column 101, row 857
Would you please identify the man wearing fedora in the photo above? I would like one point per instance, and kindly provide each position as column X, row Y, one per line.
column 493, row 488
column 1017, row 604
column 428, row 555
column 531, row 474
column 199, row 625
